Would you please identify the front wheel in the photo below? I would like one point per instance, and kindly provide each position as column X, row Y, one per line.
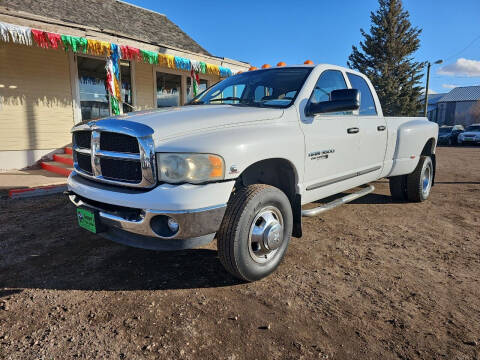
column 419, row 183
column 255, row 231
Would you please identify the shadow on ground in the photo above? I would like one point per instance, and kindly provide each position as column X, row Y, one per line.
column 115, row 267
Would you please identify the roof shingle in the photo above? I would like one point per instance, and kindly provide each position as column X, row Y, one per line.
column 467, row 93
column 112, row 15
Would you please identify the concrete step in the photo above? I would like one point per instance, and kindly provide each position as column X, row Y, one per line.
column 63, row 158
column 57, row 167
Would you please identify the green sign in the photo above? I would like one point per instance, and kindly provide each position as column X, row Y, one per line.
column 86, row 219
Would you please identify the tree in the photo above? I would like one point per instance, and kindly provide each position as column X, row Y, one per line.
column 386, row 57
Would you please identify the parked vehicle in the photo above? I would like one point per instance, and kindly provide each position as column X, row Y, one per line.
column 242, row 159
column 470, row 136
column 448, row 135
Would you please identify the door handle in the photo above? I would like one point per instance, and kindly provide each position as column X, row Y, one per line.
column 381, row 128
column 353, row 130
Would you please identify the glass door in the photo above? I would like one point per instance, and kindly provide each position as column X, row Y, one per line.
column 94, row 98
column 168, row 89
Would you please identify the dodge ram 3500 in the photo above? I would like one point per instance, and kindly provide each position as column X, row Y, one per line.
column 239, row 161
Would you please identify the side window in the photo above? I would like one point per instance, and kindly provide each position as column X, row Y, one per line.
column 328, row 81
column 367, row 104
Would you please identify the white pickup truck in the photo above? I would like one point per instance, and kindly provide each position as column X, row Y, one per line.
column 241, row 159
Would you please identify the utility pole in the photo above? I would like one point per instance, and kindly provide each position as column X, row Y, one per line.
column 425, row 111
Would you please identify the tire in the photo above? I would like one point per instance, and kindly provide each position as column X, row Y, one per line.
column 398, row 187
column 239, row 250
column 419, row 183
column 450, row 142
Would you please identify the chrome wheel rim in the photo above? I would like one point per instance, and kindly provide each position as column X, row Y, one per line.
column 427, row 180
column 266, row 234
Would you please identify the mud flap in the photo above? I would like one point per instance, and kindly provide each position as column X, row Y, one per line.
column 297, row 216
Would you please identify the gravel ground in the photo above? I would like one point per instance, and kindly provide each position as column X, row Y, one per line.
column 372, row 279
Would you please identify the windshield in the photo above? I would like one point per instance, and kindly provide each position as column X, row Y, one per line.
column 262, row 88
column 473, row 128
column 445, row 130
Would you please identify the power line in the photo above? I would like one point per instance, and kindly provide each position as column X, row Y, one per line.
column 461, row 51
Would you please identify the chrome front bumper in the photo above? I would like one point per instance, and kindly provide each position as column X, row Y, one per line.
column 192, row 223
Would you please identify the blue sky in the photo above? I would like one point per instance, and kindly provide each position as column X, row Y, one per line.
column 292, row 31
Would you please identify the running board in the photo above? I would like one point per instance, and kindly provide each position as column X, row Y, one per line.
column 335, row 203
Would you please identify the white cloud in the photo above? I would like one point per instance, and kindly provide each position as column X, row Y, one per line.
column 462, row 67
column 449, row 86
column 430, row 91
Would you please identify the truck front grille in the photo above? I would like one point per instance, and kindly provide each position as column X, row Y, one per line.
column 84, row 162
column 118, row 142
column 121, row 170
column 105, row 153
column 82, row 139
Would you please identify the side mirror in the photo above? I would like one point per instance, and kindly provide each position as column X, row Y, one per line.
column 340, row 100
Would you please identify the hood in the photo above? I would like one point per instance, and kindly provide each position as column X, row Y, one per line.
column 178, row 121
column 471, row 133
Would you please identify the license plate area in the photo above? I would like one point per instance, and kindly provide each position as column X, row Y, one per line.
column 89, row 219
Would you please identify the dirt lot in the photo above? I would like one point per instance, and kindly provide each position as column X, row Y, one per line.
column 372, row 279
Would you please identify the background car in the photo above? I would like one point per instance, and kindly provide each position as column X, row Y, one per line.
column 449, row 134
column 470, row 136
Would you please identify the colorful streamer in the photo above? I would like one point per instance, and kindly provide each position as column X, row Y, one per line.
column 195, row 81
column 182, row 63
column 166, row 60
column 53, row 39
column 18, row 34
column 113, row 85
column 203, row 67
column 130, row 53
column 75, row 43
column 149, row 57
column 40, row 38
column 26, row 36
column 98, row 48
column 213, row 69
column 224, row 72
column 115, row 56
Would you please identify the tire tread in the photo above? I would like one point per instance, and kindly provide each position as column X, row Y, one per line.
column 229, row 226
column 414, row 185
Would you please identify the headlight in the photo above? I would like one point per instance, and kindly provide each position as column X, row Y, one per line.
column 190, row 168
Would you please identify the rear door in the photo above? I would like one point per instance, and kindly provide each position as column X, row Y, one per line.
column 331, row 140
column 372, row 131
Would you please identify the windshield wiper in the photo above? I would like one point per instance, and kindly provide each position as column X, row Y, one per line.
column 230, row 98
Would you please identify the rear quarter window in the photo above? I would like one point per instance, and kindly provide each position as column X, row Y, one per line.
column 367, row 104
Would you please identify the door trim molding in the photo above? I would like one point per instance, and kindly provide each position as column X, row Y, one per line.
column 342, row 178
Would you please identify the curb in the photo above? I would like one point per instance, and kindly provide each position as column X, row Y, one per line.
column 36, row 191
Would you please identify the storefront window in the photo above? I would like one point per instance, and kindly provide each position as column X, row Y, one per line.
column 202, row 86
column 92, row 84
column 168, row 89
column 126, row 75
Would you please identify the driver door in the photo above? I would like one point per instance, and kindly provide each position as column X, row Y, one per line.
column 331, row 141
